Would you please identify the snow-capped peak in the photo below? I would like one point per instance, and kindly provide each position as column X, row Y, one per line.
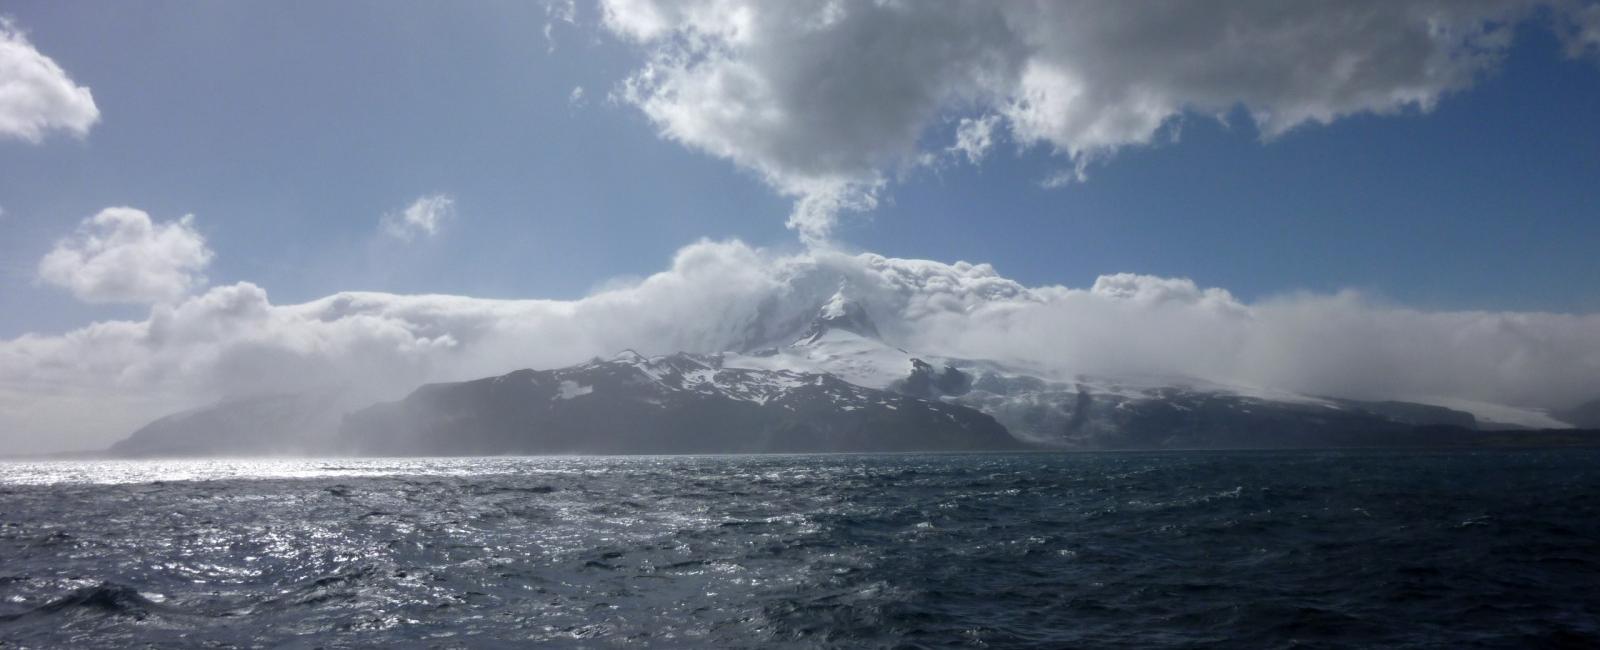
column 629, row 356
column 838, row 306
column 840, row 313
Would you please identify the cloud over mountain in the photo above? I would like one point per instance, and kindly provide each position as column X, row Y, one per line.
column 90, row 385
column 830, row 100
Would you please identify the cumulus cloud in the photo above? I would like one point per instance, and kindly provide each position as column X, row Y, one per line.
column 422, row 218
column 36, row 95
column 121, row 256
column 233, row 341
column 828, row 100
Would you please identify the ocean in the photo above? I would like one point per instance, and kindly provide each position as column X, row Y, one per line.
column 1182, row 549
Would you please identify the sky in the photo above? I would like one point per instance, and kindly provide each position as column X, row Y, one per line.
column 187, row 188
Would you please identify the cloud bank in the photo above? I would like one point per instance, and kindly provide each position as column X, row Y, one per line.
column 121, row 256
column 36, row 95
column 90, row 386
column 829, row 100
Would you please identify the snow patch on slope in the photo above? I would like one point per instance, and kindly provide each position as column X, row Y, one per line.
column 846, row 355
column 709, row 375
column 570, row 389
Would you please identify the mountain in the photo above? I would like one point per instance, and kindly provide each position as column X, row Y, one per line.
column 816, row 373
column 1189, row 416
column 840, row 314
column 1088, row 412
column 841, row 339
column 679, row 403
column 264, row 425
column 1102, row 413
column 1585, row 415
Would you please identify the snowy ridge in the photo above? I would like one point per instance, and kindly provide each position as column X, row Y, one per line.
column 841, row 340
column 1089, row 410
column 853, row 358
column 685, row 373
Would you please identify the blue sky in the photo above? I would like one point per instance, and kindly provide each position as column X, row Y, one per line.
column 288, row 139
column 1491, row 201
column 289, row 129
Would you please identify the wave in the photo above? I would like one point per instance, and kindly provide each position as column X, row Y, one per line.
column 106, row 598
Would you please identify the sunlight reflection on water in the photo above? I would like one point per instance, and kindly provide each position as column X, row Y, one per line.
column 121, row 472
column 1408, row 549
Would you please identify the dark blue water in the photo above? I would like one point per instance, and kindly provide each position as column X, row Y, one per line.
column 1305, row 549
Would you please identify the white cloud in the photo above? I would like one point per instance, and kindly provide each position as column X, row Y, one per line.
column 576, row 98
column 1150, row 289
column 974, row 137
column 121, row 256
column 233, row 340
column 36, row 95
column 423, row 217
column 1337, row 345
column 827, row 100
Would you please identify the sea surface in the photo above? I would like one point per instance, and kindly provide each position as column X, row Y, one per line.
column 1296, row 549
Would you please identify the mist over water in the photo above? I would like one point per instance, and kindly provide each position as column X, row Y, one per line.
column 1255, row 549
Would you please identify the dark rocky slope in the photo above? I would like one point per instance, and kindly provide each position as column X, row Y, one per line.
column 675, row 404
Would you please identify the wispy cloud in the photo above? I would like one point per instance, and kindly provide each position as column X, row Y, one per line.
column 422, row 218
column 557, row 11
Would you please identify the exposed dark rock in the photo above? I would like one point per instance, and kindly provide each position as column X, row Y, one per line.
column 927, row 383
